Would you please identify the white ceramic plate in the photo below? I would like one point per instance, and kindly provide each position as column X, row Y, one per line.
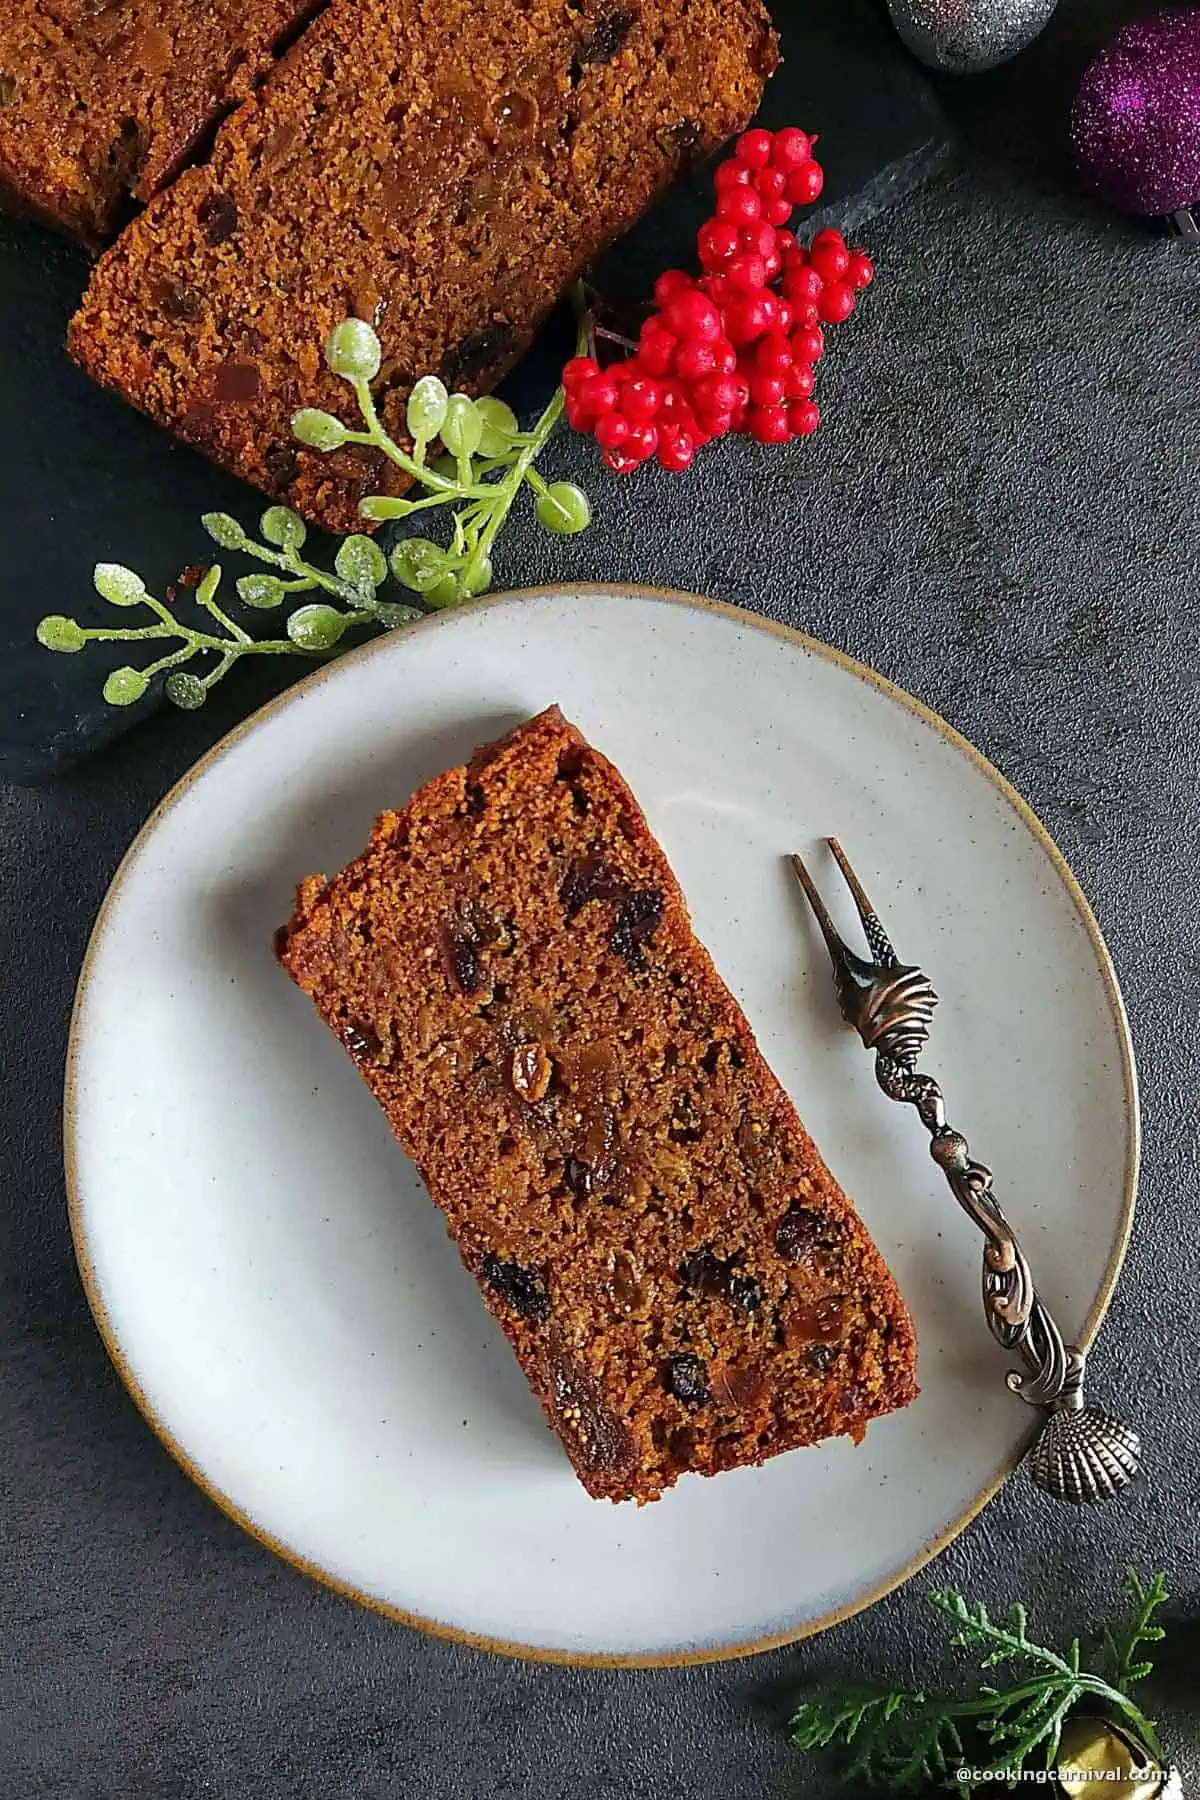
column 278, row 1291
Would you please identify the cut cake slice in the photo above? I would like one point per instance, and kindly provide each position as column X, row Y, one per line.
column 443, row 172
column 511, row 966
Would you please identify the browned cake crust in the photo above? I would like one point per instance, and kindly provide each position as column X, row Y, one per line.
column 101, row 102
column 443, row 170
column 511, row 966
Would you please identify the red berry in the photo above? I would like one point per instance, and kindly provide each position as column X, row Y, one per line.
column 717, row 288
column 577, row 370
column 791, row 148
column 656, row 353
column 773, row 354
column 612, row 431
column 717, row 241
column 726, row 357
column 830, row 261
column 777, row 212
column 808, row 344
column 759, row 240
column 732, row 175
column 693, row 361
column 747, row 274
column 642, row 441
column 596, row 394
column 577, row 419
column 754, row 148
column 800, row 382
column 676, row 415
column 861, row 272
column 740, row 205
column 805, row 183
column 836, row 303
column 770, row 308
column 768, row 390
column 803, row 418
column 747, row 319
column 641, row 398
column 717, row 394
column 770, row 184
column 802, row 285
column 714, row 424
column 785, row 316
column 620, row 462
column 670, row 284
column 693, row 315
column 828, row 239
column 675, row 449
column 769, row 424
column 738, row 417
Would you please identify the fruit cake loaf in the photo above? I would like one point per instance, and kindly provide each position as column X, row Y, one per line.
column 511, row 966
column 443, row 171
column 101, row 100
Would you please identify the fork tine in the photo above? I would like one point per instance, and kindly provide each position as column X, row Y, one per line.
column 838, row 950
column 877, row 937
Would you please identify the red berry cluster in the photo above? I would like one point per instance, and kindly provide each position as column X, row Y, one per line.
column 735, row 348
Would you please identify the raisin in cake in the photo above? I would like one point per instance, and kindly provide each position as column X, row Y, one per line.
column 442, row 171
column 511, row 966
column 101, row 101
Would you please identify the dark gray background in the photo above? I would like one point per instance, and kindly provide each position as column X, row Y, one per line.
column 1001, row 513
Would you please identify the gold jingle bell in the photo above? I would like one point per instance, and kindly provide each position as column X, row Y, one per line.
column 1098, row 1760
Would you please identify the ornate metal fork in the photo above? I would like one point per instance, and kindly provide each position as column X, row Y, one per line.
column 1081, row 1453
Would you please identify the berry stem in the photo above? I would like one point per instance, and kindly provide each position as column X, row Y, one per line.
column 601, row 333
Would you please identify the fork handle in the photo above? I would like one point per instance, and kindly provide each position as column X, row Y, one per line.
column 1016, row 1317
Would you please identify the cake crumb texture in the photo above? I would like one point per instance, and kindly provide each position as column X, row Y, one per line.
column 511, row 966
column 442, row 171
column 101, row 101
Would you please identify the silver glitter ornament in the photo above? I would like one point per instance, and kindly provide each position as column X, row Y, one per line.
column 962, row 36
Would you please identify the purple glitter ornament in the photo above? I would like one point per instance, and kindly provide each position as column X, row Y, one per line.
column 1135, row 125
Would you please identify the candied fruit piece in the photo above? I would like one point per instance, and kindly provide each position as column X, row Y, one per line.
column 636, row 924
column 686, row 1377
column 531, row 1072
column 590, row 878
column 459, row 951
column 521, row 1288
column 218, row 216
column 599, row 1443
column 361, row 1040
column 799, row 1233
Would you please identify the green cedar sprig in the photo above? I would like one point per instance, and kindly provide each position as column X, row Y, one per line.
column 486, row 462
column 903, row 1740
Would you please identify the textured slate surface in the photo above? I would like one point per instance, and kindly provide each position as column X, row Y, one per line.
column 1002, row 513
column 87, row 480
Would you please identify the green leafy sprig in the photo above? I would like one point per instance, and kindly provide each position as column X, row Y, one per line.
column 902, row 1740
column 486, row 461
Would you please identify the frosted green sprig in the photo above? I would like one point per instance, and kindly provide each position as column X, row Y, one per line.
column 312, row 629
column 486, row 461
